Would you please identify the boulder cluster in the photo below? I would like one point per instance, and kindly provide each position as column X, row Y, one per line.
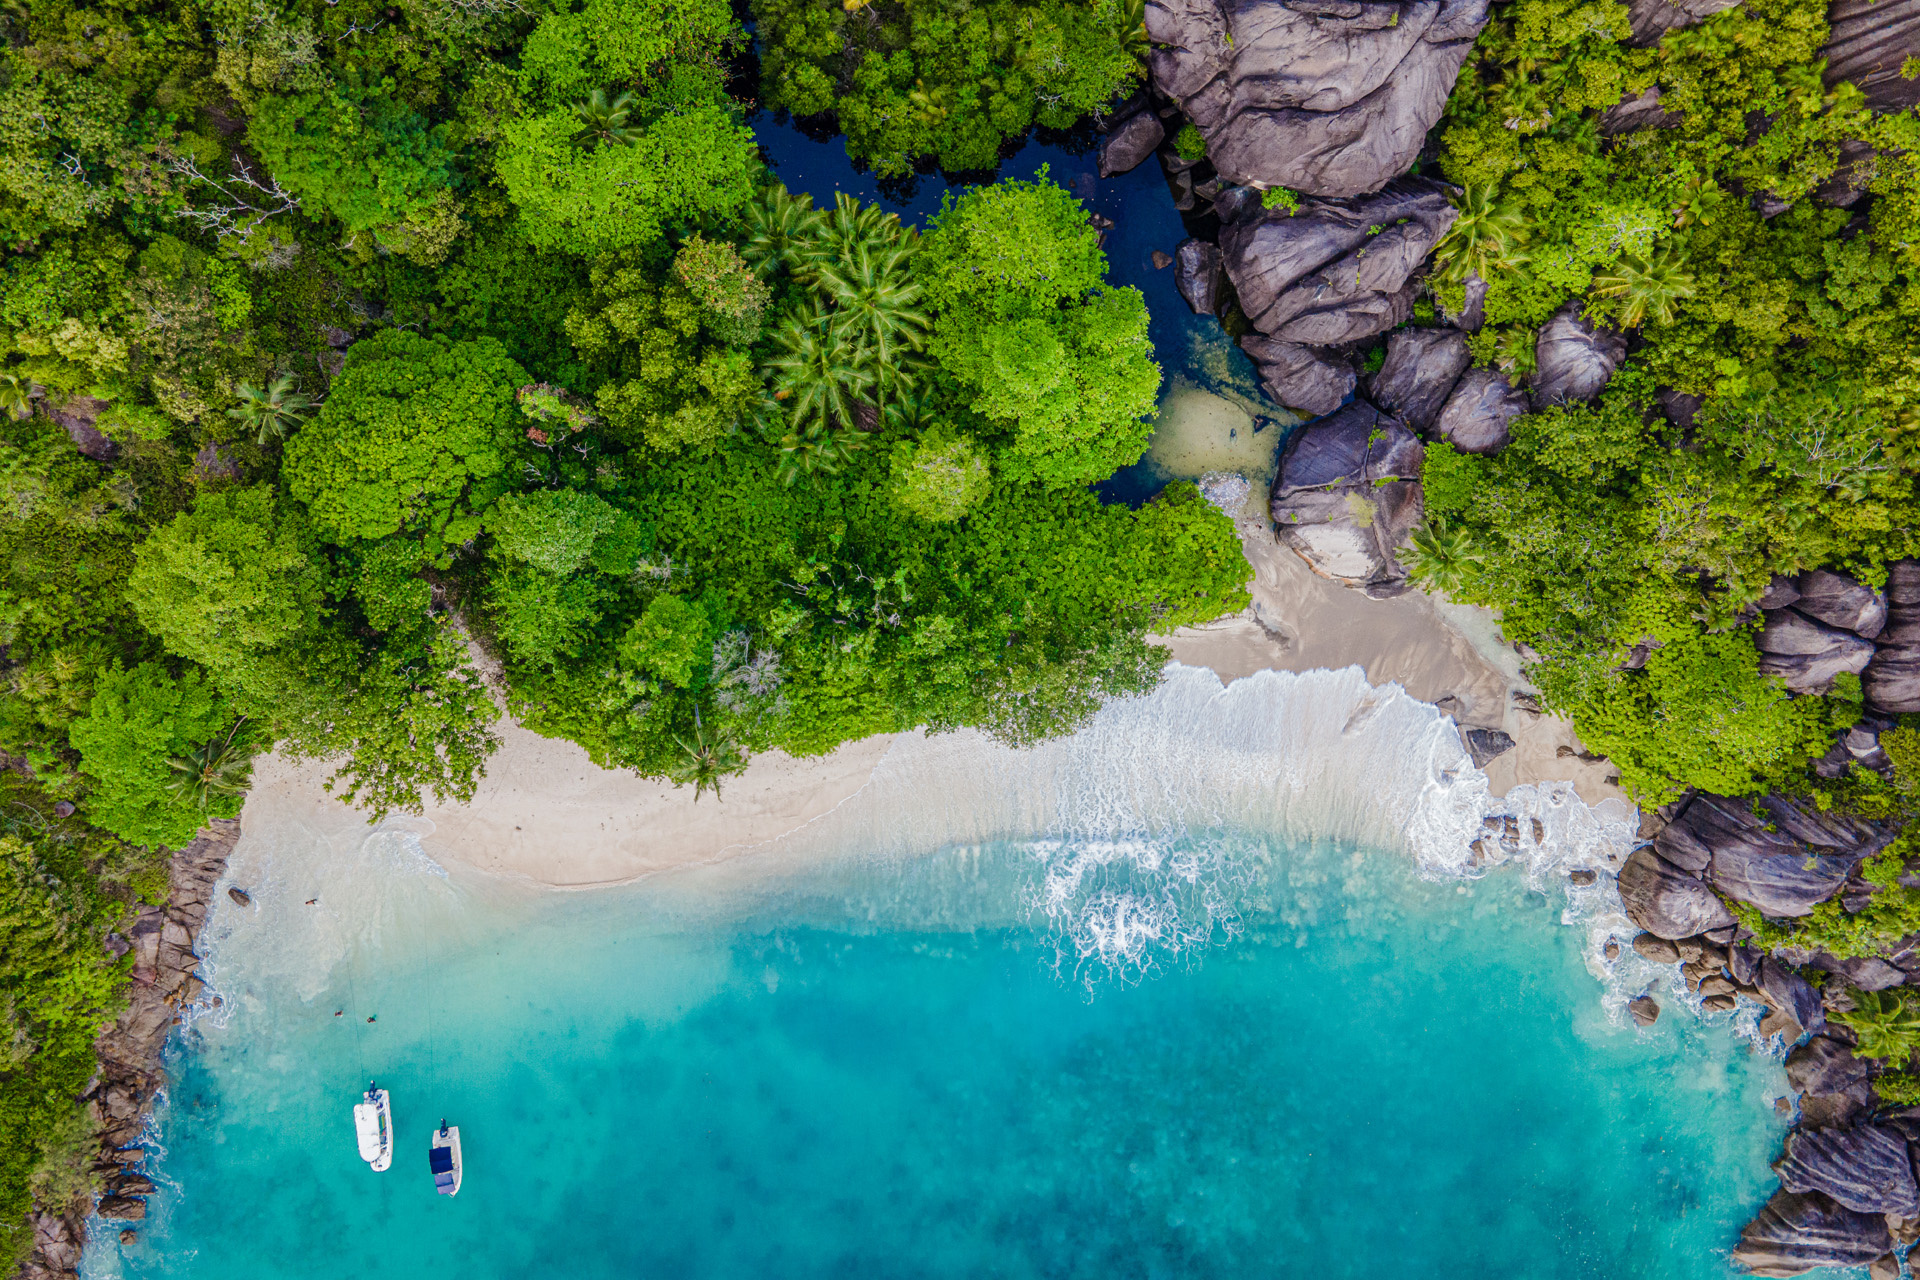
column 161, row 940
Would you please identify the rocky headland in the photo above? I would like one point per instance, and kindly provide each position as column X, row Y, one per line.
column 122, row 1093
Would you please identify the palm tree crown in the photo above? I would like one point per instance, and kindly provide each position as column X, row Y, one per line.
column 603, row 119
column 273, row 412
column 1484, row 240
column 1646, row 287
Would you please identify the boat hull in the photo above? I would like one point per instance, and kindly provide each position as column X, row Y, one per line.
column 373, row 1127
column 446, row 1167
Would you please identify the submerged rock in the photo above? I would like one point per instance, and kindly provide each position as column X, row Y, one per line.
column 1800, row 1230
column 1572, row 359
column 1420, row 369
column 1303, row 378
column 1328, row 98
column 1129, row 142
column 239, row 896
column 1336, row 271
column 1347, row 493
column 1666, row 901
column 1864, row 1167
column 1479, row 415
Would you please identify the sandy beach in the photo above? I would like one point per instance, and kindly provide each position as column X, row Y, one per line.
column 545, row 813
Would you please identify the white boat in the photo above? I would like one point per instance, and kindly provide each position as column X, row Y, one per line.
column 373, row 1125
column 444, row 1158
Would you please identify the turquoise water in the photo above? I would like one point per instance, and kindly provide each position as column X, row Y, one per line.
column 1235, row 1013
column 1376, row 1073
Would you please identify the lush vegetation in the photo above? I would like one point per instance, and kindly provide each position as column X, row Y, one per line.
column 914, row 80
column 1623, row 547
column 349, row 350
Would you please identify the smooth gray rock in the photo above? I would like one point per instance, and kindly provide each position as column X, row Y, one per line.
column 1199, row 276
column 1902, row 629
column 1815, row 673
column 1903, row 582
column 1780, row 592
column 1645, row 1010
column 1791, row 994
column 1306, row 379
column 1787, row 870
column 1486, row 745
column 1652, row 19
column 1420, row 369
column 1635, row 112
column 1335, row 271
column 1797, row 1231
column 1129, row 142
column 1478, row 416
column 1839, row 601
column 1788, row 631
column 1666, row 901
column 1867, row 42
column 1657, row 949
column 1869, row 973
column 1891, row 681
column 1473, row 314
column 1864, row 1167
column 1572, row 359
column 1347, row 494
column 1824, row 1066
column 1328, row 97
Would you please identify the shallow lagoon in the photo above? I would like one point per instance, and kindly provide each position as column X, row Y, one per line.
column 1133, row 1047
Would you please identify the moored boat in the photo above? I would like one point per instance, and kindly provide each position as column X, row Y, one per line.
column 443, row 1156
column 373, row 1125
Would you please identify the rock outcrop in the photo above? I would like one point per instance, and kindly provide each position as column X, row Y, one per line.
column 1478, row 416
column 1822, row 625
column 161, row 940
column 1199, row 276
column 1335, row 271
column 1797, row 1231
column 1839, row 601
column 1864, row 1167
column 76, row 417
column 1666, row 901
column 1347, row 493
column 1573, row 360
column 1304, row 379
column 1328, row 97
column 1867, row 44
column 1651, row 19
column 1785, row 860
column 1420, row 370
column 1129, row 142
column 1891, row 681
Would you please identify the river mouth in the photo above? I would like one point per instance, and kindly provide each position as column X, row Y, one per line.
column 1205, row 1018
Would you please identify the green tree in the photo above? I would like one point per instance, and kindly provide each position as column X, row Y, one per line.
column 229, row 580
column 271, row 413
column 139, row 722
column 418, row 434
column 939, row 476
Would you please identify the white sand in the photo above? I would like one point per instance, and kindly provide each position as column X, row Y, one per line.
column 546, row 813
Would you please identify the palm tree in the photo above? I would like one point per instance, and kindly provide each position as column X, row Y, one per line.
column 273, row 412
column 1439, row 555
column 910, row 409
column 709, row 757
column 816, row 375
column 16, row 395
column 1133, row 28
column 219, row 768
column 779, row 226
column 1647, row 287
column 1484, row 240
column 815, row 449
column 850, row 226
column 876, row 310
column 1885, row 1023
column 603, row 119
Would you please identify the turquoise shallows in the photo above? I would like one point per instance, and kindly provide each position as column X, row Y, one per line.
column 882, row 1067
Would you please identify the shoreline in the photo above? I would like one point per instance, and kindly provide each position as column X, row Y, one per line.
column 546, row 815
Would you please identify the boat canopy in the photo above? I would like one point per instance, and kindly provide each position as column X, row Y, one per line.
column 366, row 1127
column 441, row 1159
